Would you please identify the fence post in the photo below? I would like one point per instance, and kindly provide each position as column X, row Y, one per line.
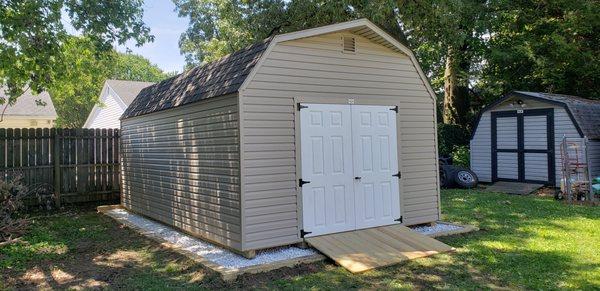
column 56, row 158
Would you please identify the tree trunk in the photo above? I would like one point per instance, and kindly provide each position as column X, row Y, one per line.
column 456, row 90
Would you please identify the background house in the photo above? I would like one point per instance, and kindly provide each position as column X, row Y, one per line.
column 300, row 135
column 30, row 111
column 115, row 96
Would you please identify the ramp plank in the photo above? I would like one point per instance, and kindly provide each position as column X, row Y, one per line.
column 366, row 249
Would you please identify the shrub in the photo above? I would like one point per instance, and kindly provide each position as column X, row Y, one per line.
column 461, row 156
column 12, row 195
column 451, row 136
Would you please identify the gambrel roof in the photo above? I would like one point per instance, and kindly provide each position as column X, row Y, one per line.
column 222, row 77
column 584, row 113
column 233, row 72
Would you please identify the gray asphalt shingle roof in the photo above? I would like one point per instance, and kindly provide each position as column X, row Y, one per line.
column 586, row 112
column 29, row 104
column 127, row 90
column 221, row 77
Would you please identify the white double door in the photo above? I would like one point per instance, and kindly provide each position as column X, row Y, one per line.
column 350, row 161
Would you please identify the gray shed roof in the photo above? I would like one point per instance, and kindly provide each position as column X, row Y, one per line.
column 221, row 77
column 29, row 104
column 127, row 90
column 585, row 113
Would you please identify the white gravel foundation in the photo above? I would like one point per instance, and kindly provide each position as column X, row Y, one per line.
column 213, row 253
column 439, row 227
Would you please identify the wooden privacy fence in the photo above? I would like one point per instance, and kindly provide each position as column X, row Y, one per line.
column 71, row 165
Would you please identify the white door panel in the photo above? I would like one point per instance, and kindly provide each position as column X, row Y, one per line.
column 375, row 162
column 349, row 156
column 328, row 200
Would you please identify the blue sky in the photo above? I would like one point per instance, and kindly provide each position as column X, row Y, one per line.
column 166, row 27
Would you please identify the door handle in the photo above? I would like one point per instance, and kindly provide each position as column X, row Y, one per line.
column 357, row 178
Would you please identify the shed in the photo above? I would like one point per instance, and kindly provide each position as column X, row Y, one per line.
column 518, row 137
column 307, row 133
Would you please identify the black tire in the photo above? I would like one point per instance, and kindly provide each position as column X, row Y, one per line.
column 465, row 178
column 447, row 173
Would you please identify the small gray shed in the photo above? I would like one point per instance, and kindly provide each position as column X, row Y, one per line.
column 313, row 132
column 518, row 137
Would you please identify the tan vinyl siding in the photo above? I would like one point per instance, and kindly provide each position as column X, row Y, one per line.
column 181, row 167
column 315, row 67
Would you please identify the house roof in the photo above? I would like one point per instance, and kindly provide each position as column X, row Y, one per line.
column 584, row 113
column 30, row 104
column 233, row 72
column 127, row 90
column 221, row 77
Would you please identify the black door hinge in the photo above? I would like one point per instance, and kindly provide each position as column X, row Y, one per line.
column 399, row 175
column 303, row 233
column 399, row 219
column 300, row 106
column 394, row 109
column 302, row 182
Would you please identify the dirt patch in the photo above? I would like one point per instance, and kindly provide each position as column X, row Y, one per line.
column 90, row 262
column 258, row 280
column 546, row 192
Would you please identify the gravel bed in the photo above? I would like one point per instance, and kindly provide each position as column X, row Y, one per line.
column 437, row 228
column 217, row 255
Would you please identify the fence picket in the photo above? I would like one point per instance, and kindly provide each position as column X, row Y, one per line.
column 3, row 153
column 80, row 164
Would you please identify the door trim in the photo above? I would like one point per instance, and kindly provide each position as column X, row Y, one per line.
column 521, row 151
column 343, row 101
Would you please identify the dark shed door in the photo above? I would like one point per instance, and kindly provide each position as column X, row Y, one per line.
column 522, row 146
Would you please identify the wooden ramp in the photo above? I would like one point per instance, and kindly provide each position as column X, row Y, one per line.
column 366, row 249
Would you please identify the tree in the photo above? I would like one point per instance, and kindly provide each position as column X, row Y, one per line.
column 33, row 37
column 219, row 27
column 136, row 68
column 76, row 90
column 548, row 46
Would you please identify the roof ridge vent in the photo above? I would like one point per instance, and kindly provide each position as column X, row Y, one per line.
column 349, row 44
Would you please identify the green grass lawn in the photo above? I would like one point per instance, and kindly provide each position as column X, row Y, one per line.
column 524, row 243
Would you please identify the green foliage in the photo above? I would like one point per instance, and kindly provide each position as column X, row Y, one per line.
column 525, row 242
column 135, row 68
column 464, row 46
column 219, row 27
column 76, row 91
column 461, row 156
column 451, row 136
column 33, row 38
column 548, row 46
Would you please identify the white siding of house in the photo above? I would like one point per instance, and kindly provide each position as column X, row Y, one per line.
column 313, row 68
column 481, row 157
column 106, row 115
